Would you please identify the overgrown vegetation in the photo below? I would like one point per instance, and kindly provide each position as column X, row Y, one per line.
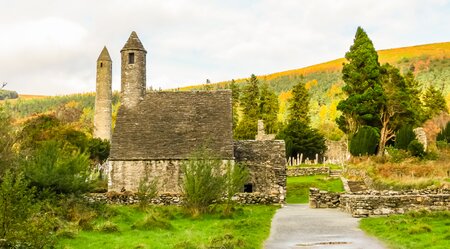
column 169, row 227
column 420, row 229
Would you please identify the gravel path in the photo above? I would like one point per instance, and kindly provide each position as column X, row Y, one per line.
column 298, row 226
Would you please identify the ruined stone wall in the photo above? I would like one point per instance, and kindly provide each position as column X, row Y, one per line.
column 267, row 164
column 381, row 202
column 308, row 171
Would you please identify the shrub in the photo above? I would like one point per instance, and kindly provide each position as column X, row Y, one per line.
column 404, row 136
column 416, row 149
column 56, row 168
column 365, row 141
column 396, row 155
column 22, row 223
column 107, row 227
column 202, row 182
column 152, row 221
column 235, row 177
column 7, row 156
column 300, row 138
column 147, row 190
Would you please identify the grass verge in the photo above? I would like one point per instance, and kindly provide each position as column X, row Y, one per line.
column 412, row 230
column 298, row 187
column 168, row 227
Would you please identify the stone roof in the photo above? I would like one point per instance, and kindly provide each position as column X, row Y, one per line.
column 171, row 125
column 104, row 55
column 133, row 43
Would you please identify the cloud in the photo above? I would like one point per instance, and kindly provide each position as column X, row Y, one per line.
column 50, row 47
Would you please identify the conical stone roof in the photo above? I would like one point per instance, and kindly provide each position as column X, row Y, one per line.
column 133, row 43
column 104, row 55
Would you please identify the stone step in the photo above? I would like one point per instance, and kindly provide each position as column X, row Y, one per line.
column 357, row 186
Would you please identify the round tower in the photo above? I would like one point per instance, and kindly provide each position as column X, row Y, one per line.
column 133, row 71
column 103, row 96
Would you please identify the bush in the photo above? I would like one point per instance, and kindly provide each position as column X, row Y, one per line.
column 58, row 169
column 152, row 221
column 396, row 155
column 147, row 190
column 7, row 156
column 202, row 182
column 404, row 137
column 5, row 94
column 300, row 138
column 107, row 227
column 365, row 141
column 22, row 223
column 416, row 149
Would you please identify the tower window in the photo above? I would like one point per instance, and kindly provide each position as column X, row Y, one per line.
column 131, row 58
column 101, row 64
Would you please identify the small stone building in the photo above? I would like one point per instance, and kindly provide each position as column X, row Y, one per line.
column 157, row 131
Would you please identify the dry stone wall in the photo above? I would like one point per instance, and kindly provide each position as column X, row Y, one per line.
column 308, row 171
column 130, row 198
column 363, row 204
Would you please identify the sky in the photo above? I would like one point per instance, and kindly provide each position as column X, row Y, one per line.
column 50, row 47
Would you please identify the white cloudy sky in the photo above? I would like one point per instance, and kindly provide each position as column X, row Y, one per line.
column 50, row 47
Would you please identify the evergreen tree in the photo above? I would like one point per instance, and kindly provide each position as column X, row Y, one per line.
column 362, row 85
column 414, row 89
column 268, row 108
column 434, row 102
column 299, row 104
column 235, row 93
column 396, row 109
column 301, row 139
column 247, row 127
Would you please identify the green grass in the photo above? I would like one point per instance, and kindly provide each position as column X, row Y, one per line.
column 329, row 165
column 169, row 227
column 298, row 187
column 413, row 230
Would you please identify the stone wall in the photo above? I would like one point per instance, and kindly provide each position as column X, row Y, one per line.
column 126, row 175
column 363, row 204
column 323, row 199
column 267, row 165
column 393, row 202
column 307, row 171
column 129, row 198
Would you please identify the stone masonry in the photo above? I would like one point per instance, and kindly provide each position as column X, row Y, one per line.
column 133, row 56
column 156, row 132
column 103, row 109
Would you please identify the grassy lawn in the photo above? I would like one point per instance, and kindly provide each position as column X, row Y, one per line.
column 298, row 187
column 169, row 227
column 412, row 230
column 329, row 165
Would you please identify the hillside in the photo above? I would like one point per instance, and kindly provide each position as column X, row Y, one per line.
column 430, row 63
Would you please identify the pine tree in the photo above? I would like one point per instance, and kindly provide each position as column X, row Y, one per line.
column 247, row 127
column 268, row 108
column 299, row 104
column 434, row 102
column 362, row 85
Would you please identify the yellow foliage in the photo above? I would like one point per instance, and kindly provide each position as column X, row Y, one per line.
column 310, row 84
column 335, row 90
column 323, row 111
column 447, row 99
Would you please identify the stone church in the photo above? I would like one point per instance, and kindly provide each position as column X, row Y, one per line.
column 156, row 131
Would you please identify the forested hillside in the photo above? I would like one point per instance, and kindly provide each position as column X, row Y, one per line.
column 430, row 64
